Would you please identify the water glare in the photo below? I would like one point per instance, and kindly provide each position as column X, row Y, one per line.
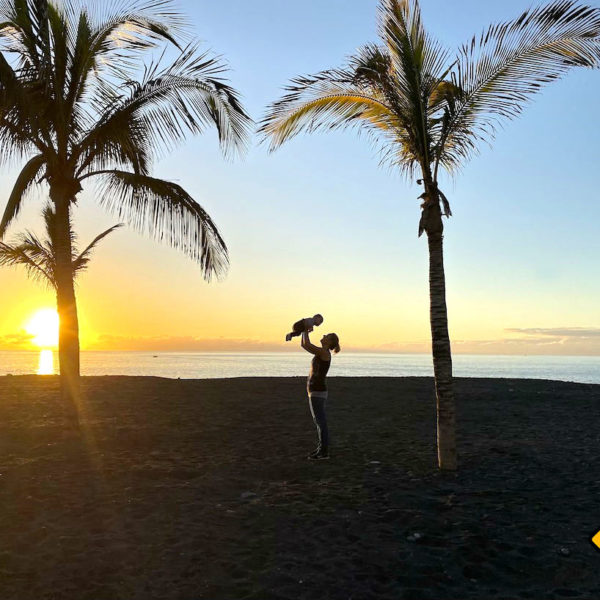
column 46, row 363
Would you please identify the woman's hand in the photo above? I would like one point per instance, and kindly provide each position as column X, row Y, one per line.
column 305, row 343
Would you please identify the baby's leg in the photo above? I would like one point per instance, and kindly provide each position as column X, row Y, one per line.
column 292, row 334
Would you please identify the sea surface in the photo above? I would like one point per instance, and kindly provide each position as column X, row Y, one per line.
column 200, row 365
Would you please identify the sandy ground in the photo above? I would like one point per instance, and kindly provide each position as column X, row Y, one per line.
column 183, row 490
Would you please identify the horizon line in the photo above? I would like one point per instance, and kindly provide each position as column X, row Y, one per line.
column 290, row 352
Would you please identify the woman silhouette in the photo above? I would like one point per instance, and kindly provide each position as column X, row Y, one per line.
column 317, row 388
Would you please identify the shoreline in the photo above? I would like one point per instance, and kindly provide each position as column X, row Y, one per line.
column 279, row 379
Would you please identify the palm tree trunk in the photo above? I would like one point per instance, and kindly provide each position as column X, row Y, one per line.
column 440, row 340
column 68, row 332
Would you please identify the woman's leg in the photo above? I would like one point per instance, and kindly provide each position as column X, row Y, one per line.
column 317, row 410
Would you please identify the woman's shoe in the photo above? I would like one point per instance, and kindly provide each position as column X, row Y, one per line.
column 319, row 456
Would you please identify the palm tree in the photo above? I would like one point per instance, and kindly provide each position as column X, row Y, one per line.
column 38, row 256
column 77, row 100
column 428, row 108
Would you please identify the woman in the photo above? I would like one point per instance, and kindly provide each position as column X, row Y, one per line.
column 317, row 388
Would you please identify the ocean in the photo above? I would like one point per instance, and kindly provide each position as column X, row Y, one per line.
column 201, row 365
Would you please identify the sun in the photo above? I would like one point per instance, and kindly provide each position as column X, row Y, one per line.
column 43, row 326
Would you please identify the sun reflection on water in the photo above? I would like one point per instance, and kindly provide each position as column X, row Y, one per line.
column 46, row 363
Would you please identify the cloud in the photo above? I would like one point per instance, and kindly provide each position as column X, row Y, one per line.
column 575, row 341
column 528, row 344
column 548, row 341
column 395, row 347
column 183, row 344
column 16, row 341
column 568, row 332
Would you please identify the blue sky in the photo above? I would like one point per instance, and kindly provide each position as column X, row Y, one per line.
column 320, row 227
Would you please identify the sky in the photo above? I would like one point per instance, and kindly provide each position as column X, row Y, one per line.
column 320, row 226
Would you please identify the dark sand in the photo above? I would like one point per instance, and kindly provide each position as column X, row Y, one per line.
column 201, row 490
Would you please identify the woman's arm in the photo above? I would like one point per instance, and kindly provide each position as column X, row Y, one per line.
column 305, row 343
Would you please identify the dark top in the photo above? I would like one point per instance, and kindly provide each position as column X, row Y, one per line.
column 299, row 326
column 318, row 372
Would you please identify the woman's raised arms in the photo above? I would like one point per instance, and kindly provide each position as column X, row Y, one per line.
column 306, row 344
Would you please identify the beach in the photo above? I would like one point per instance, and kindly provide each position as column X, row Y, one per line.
column 200, row 489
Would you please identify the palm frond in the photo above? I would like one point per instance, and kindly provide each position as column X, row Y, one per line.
column 22, row 30
column 419, row 64
column 138, row 25
column 418, row 59
column 337, row 107
column 25, row 180
column 500, row 71
column 111, row 35
column 19, row 111
column 165, row 211
column 21, row 254
column 81, row 262
column 119, row 139
column 331, row 99
column 188, row 95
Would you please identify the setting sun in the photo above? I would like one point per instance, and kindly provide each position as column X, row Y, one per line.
column 43, row 325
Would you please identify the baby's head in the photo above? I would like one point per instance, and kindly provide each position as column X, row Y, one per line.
column 318, row 319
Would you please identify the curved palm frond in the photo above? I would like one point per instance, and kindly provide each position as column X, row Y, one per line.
column 12, row 255
column 331, row 99
column 499, row 71
column 25, row 180
column 186, row 96
column 335, row 108
column 165, row 211
column 81, row 262
column 135, row 26
column 36, row 255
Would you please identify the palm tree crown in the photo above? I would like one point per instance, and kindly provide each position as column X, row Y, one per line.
column 76, row 100
column 427, row 107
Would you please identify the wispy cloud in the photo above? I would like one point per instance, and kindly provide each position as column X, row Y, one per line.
column 183, row 344
column 569, row 332
column 16, row 341
column 575, row 341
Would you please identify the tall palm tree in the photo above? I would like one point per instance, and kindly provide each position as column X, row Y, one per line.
column 78, row 101
column 429, row 108
column 38, row 256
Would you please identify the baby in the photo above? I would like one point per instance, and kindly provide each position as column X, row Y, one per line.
column 304, row 325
